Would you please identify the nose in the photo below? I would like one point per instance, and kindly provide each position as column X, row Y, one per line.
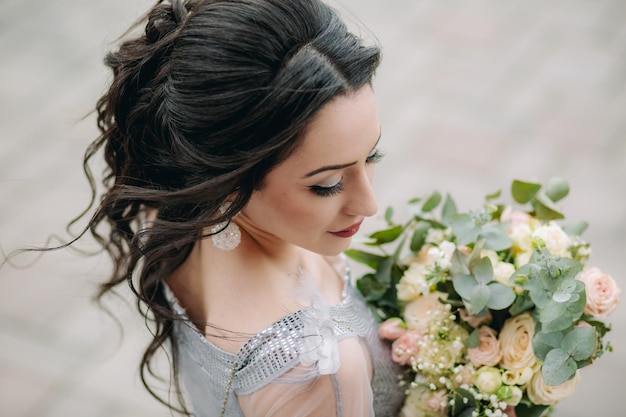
column 362, row 201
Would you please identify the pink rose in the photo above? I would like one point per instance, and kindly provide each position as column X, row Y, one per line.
column 418, row 313
column 392, row 328
column 406, row 347
column 473, row 320
column 488, row 351
column 438, row 401
column 602, row 292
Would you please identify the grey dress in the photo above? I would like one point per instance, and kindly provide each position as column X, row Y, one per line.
column 271, row 362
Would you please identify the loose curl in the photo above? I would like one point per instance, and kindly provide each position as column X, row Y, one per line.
column 202, row 105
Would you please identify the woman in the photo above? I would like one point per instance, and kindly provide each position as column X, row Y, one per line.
column 241, row 137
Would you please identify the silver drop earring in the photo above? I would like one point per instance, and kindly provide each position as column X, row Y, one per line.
column 226, row 235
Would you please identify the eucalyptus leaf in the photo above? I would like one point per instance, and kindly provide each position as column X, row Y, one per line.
column 464, row 228
column 580, row 343
column 545, row 342
column 522, row 303
column 557, row 188
column 546, row 209
column 559, row 324
column 558, row 367
column 523, row 192
column 501, row 296
column 496, row 237
column 479, row 299
column 483, row 270
column 464, row 285
column 473, row 340
column 458, row 264
column 432, row 202
column 551, row 311
column 575, row 228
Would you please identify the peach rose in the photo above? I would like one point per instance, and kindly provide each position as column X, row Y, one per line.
column 488, row 350
column 516, row 342
column 602, row 292
column 540, row 393
column 406, row 347
column 392, row 328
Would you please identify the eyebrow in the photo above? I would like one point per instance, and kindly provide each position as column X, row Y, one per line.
column 340, row 166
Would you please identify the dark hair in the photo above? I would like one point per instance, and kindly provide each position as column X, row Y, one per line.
column 202, row 105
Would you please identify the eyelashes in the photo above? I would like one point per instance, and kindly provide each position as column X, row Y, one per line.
column 329, row 191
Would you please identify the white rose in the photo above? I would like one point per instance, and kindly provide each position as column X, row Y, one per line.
column 502, row 271
column 556, row 240
column 488, row 379
column 418, row 313
column 540, row 393
column 413, row 283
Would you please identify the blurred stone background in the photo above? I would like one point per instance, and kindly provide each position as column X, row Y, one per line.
column 472, row 94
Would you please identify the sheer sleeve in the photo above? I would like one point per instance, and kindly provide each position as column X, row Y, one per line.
column 304, row 391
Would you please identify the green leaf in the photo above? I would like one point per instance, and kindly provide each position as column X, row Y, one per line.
column 464, row 285
column 419, row 236
column 389, row 215
column 385, row 236
column 493, row 196
column 462, row 402
column 575, row 228
column 365, row 258
column 501, row 296
column 449, row 208
column 580, row 343
column 371, row 289
column 383, row 272
column 479, row 299
column 546, row 209
column 558, row 367
column 473, row 340
column 545, row 342
column 483, row 270
column 432, row 202
column 523, row 191
column 557, row 188
column 525, row 410
column 559, row 324
column 552, row 311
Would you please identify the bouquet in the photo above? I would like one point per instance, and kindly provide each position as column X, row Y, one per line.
column 492, row 311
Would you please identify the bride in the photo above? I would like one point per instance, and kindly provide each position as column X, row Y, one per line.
column 241, row 138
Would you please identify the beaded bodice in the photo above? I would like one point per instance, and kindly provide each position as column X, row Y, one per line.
column 210, row 373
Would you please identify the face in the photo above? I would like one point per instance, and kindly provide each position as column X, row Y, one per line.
column 317, row 198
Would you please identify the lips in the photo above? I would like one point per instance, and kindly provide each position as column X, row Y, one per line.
column 350, row 231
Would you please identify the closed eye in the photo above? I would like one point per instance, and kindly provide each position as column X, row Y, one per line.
column 327, row 191
column 375, row 157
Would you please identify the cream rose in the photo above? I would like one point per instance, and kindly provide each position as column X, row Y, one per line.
column 516, row 342
column 502, row 271
column 488, row 351
column 418, row 403
column 540, row 393
column 520, row 229
column 556, row 240
column 602, row 292
column 418, row 313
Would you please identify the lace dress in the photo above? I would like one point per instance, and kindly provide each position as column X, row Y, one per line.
column 318, row 361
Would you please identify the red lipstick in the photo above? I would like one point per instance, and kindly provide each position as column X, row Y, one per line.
column 350, row 231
